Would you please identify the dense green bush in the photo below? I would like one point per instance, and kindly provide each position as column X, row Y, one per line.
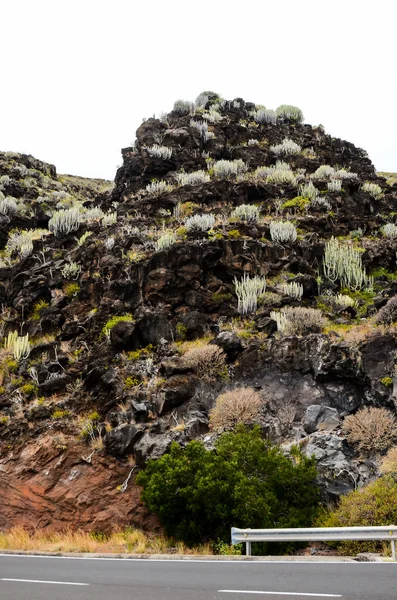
column 374, row 504
column 244, row 482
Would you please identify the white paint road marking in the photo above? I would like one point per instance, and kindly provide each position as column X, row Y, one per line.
column 40, row 581
column 281, row 593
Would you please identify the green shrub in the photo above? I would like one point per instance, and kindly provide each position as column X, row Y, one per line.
column 244, row 482
column 372, row 505
column 130, row 382
column 29, row 389
column 114, row 320
column 71, row 289
column 299, row 204
column 140, row 353
column 60, row 414
column 234, row 234
column 286, row 112
column 94, row 416
column 181, row 331
column 37, row 308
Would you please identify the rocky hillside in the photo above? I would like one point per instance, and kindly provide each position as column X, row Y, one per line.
column 238, row 247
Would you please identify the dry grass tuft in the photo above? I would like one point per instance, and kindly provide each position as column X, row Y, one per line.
column 208, row 361
column 129, row 541
column 371, row 429
column 388, row 464
column 241, row 405
column 184, row 347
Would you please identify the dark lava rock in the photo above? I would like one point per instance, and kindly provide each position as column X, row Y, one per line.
column 321, row 417
column 195, row 324
column 230, row 344
column 124, row 336
column 154, row 327
column 175, row 391
column 151, row 446
column 120, row 440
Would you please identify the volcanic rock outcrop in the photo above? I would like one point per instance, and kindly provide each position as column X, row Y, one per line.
column 115, row 298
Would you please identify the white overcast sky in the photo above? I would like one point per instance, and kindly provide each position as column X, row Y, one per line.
column 78, row 76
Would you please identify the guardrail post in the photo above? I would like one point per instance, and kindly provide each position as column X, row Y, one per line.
column 248, row 549
column 393, row 549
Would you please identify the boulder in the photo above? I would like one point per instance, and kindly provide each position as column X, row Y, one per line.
column 338, row 471
column 230, row 344
column 124, row 336
column 153, row 327
column 140, row 411
column 175, row 392
column 319, row 417
column 120, row 440
column 53, row 385
column 195, row 324
column 174, row 365
column 151, row 446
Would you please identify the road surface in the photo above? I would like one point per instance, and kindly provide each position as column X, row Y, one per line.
column 53, row 578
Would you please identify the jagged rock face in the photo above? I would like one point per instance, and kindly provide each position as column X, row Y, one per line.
column 125, row 391
column 52, row 484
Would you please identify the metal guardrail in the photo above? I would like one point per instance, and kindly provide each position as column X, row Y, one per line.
column 315, row 534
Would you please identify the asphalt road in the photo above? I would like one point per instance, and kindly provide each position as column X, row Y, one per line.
column 44, row 578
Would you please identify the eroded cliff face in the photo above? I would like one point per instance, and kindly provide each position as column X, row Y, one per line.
column 52, row 483
column 95, row 399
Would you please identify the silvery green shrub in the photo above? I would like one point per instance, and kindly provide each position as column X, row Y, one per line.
column 159, row 151
column 109, row 243
column 158, row 187
column 390, row 230
column 200, row 222
column 202, row 128
column 65, row 221
column 194, row 178
column 203, row 98
column 323, row 172
column 298, row 320
column 309, row 191
column 213, row 116
column 344, row 263
column 372, row 189
column 19, row 345
column 286, row 148
column 71, row 270
column 344, row 174
column 246, row 212
column 21, row 242
column 285, row 112
column 183, row 107
column 165, row 241
column 265, row 115
column 248, row 290
column 344, row 301
column 109, row 218
column 280, row 173
column 320, row 202
column 283, row 231
column 229, row 168
column 335, row 185
column 292, row 289
column 8, row 206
